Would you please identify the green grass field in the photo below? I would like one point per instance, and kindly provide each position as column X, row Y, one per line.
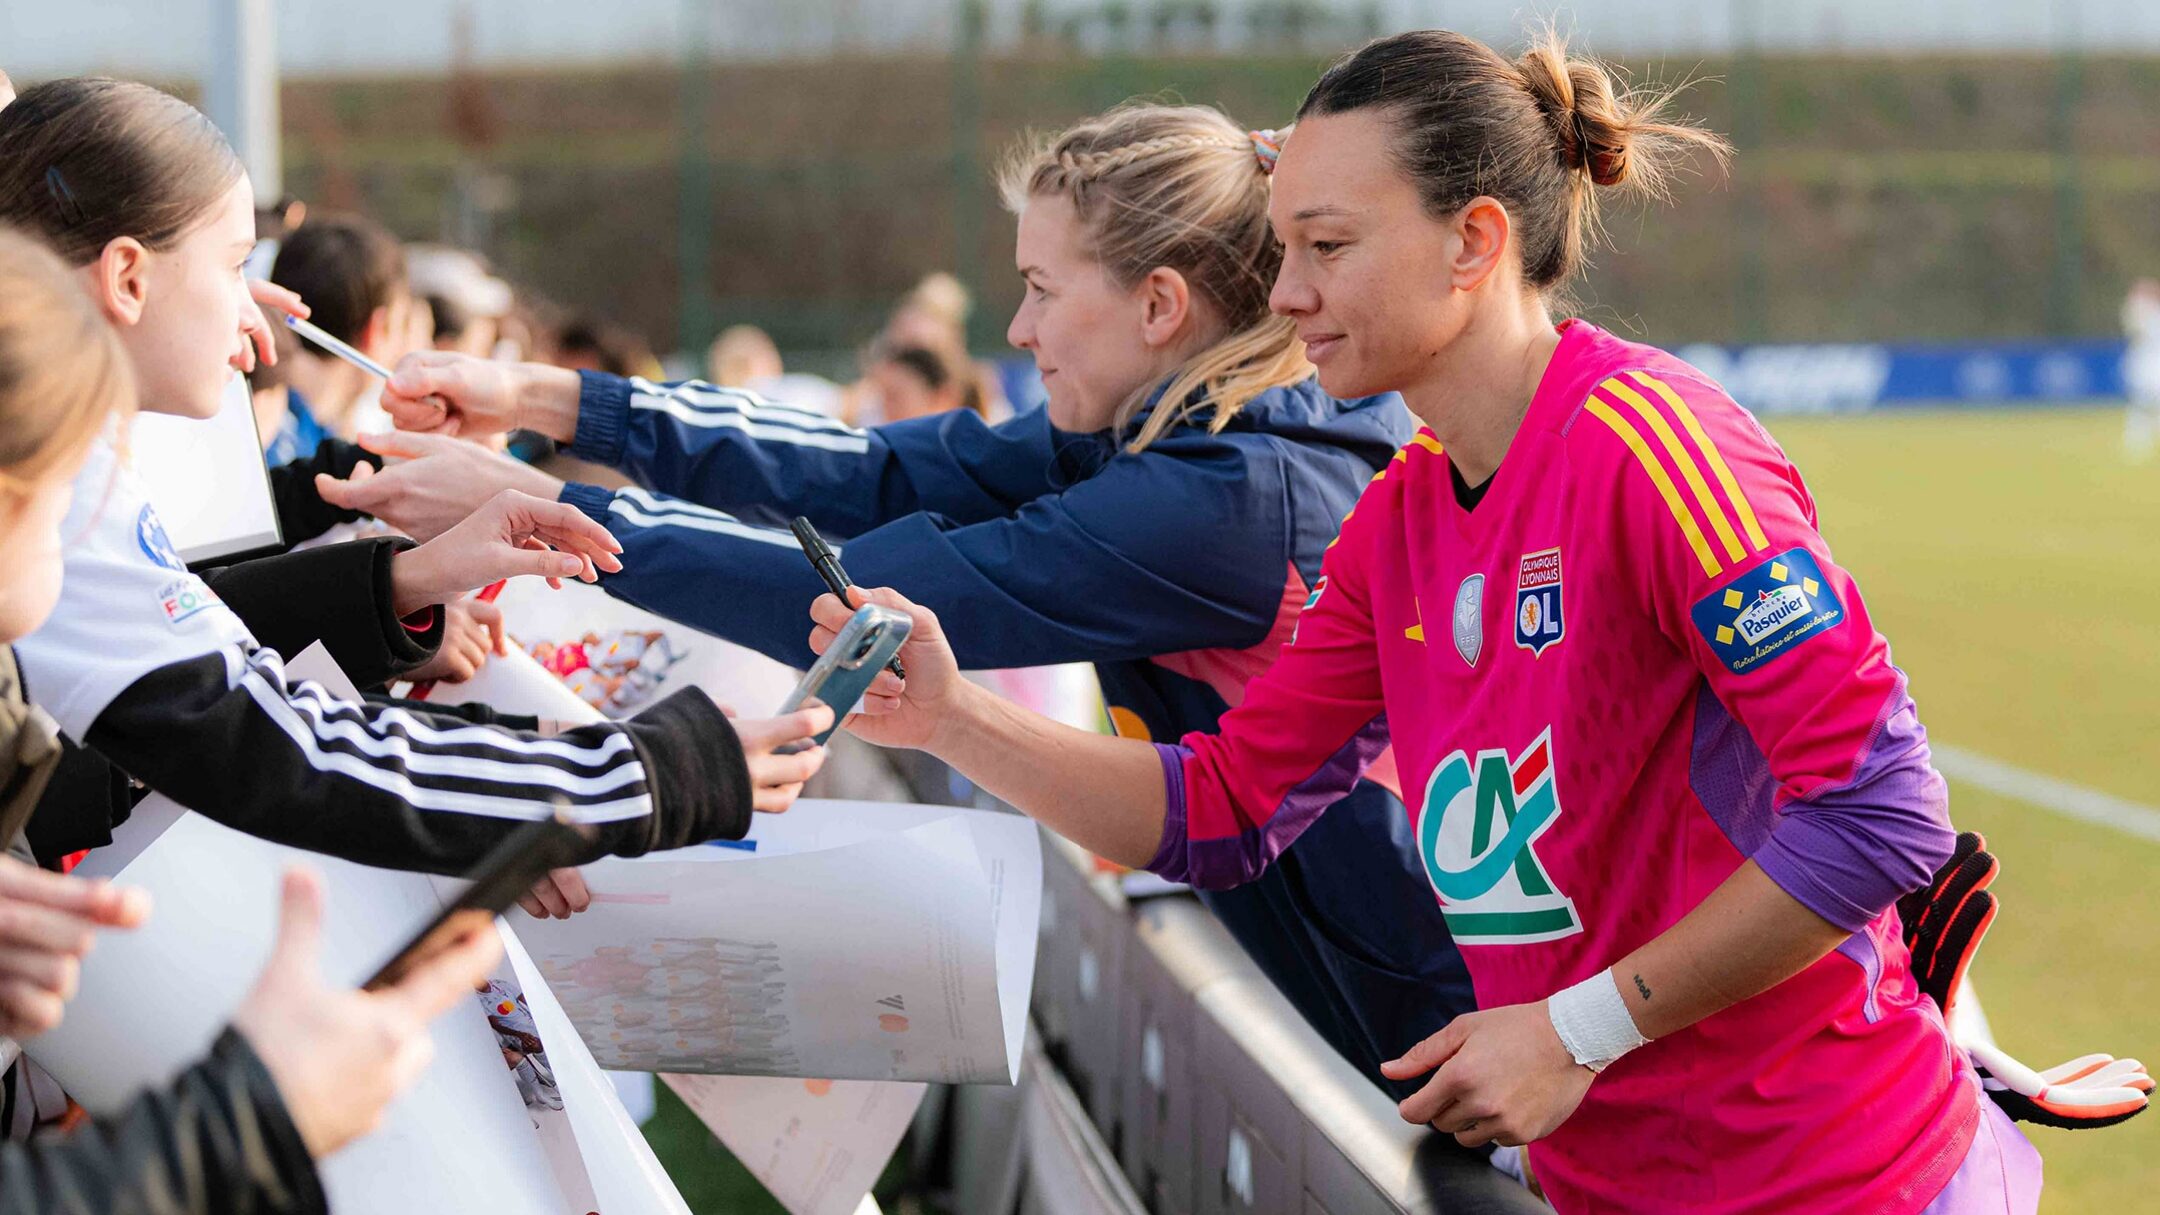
column 713, row 1182
column 2013, row 560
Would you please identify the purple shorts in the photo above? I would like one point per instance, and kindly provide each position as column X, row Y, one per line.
column 2001, row 1174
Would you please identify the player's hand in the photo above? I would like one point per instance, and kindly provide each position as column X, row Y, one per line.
column 513, row 534
column 431, row 483
column 48, row 921
column 1946, row 920
column 340, row 1056
column 1944, row 924
column 1503, row 1077
column 896, row 713
column 560, row 895
column 440, row 392
column 258, row 343
column 777, row 768
column 2086, row 1093
column 472, row 629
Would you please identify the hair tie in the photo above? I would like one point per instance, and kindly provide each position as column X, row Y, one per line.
column 1582, row 140
column 1604, row 167
column 1267, row 148
column 63, row 198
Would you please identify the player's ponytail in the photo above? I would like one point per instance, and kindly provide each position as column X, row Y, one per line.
column 1544, row 134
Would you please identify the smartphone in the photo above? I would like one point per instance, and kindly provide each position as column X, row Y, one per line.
column 843, row 672
column 510, row 869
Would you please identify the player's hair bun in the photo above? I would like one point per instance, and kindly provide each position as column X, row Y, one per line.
column 1590, row 121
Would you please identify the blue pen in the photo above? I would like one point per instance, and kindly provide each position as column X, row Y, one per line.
column 738, row 845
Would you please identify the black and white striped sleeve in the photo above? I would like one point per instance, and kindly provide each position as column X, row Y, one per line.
column 227, row 735
column 143, row 663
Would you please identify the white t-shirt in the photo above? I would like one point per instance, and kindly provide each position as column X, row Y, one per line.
column 127, row 604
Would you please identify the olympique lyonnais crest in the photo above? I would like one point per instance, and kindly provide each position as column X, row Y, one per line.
column 1470, row 618
column 1538, row 622
column 1477, row 835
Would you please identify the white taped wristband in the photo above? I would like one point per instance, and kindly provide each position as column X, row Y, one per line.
column 1593, row 1021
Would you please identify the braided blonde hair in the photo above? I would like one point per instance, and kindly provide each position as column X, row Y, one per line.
column 1181, row 187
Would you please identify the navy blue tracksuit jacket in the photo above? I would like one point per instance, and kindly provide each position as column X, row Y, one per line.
column 1178, row 572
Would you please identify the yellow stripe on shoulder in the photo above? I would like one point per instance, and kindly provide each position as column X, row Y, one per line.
column 1418, row 440
column 1718, row 467
column 1659, row 477
column 1682, row 460
column 1401, row 456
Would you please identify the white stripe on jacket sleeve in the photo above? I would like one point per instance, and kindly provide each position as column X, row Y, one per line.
column 458, row 777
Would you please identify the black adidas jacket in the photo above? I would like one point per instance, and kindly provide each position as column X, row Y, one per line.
column 142, row 663
column 216, row 1141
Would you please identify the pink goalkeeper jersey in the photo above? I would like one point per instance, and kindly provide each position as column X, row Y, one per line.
column 1631, row 667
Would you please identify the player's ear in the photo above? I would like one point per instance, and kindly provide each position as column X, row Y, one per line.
column 1482, row 230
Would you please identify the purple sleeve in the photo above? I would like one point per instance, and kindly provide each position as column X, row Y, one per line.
column 1848, row 851
column 1171, row 855
column 1212, row 844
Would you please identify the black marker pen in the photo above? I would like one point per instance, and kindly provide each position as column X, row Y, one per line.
column 827, row 564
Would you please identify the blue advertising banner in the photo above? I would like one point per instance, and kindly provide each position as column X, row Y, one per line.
column 1859, row 377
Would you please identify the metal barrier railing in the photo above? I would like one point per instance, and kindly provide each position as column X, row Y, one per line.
column 1212, row 1093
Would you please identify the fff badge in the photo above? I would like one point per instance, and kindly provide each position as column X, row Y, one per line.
column 1538, row 622
column 1469, row 618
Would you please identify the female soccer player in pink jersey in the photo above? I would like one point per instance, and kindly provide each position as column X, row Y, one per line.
column 1667, row 782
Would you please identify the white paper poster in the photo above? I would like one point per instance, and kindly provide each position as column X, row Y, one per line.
column 847, row 941
column 818, row 1145
column 621, row 658
column 514, row 683
column 215, row 896
column 153, row 1000
column 620, row 1169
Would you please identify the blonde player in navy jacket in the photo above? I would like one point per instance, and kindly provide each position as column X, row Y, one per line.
column 1162, row 517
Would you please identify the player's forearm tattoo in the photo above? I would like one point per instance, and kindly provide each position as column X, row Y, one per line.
column 1642, row 987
